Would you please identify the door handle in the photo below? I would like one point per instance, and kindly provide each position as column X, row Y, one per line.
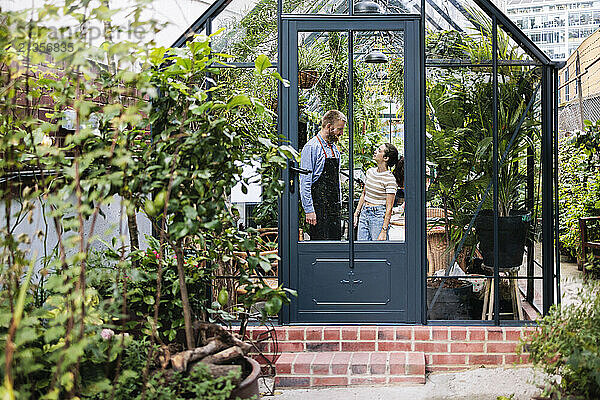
column 293, row 172
column 299, row 170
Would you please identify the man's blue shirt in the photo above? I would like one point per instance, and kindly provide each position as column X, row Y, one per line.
column 312, row 158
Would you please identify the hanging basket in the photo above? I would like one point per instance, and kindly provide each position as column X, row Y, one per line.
column 307, row 79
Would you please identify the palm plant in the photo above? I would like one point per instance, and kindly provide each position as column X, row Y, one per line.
column 460, row 130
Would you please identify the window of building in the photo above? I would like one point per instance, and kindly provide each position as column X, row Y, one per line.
column 567, row 84
column 573, row 19
column 585, row 18
column 574, row 33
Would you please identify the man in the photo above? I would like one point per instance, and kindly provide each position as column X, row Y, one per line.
column 320, row 189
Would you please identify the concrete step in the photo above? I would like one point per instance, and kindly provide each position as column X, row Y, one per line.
column 314, row 369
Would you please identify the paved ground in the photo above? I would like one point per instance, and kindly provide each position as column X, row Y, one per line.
column 476, row 384
column 571, row 280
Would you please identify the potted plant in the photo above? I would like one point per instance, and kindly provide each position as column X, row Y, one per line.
column 513, row 218
column 310, row 62
column 455, row 300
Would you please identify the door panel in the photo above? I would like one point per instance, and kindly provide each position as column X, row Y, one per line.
column 350, row 280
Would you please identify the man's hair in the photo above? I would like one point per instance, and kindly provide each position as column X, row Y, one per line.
column 332, row 116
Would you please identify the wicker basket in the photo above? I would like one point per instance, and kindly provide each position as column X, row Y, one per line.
column 307, row 79
column 438, row 255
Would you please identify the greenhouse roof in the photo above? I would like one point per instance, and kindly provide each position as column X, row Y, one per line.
column 440, row 15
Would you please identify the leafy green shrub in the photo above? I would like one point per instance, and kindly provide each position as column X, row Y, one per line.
column 579, row 187
column 127, row 385
column 50, row 342
column 567, row 344
column 103, row 274
column 197, row 384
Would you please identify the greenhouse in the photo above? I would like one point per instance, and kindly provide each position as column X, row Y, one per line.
column 469, row 102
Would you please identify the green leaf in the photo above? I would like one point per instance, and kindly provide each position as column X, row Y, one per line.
column 149, row 299
column 261, row 63
column 277, row 76
column 265, row 265
column 239, row 100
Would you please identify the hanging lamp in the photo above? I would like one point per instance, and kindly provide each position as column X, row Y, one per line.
column 376, row 57
column 367, row 7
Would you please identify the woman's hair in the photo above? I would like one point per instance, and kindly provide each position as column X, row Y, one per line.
column 395, row 161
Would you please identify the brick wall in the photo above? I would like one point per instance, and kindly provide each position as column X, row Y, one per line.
column 446, row 348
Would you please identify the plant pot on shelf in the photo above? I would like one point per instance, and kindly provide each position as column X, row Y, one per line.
column 512, row 234
column 307, row 78
column 248, row 388
column 454, row 302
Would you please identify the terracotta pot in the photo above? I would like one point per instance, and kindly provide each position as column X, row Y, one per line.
column 249, row 386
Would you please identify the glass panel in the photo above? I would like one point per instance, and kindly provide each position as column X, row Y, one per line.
column 255, row 208
column 473, row 298
column 509, row 295
column 519, row 132
column 459, row 168
column 315, row 7
column 536, row 291
column 462, row 17
column 323, row 93
column 378, row 155
column 527, row 312
column 332, row 7
column 250, row 29
column 509, row 52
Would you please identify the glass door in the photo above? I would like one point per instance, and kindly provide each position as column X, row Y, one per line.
column 351, row 215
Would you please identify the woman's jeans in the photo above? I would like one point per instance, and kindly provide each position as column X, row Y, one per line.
column 370, row 222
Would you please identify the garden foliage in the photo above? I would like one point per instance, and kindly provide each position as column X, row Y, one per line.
column 579, row 185
column 84, row 319
column 567, row 344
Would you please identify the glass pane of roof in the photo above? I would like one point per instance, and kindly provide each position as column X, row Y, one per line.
column 249, row 29
column 315, row 7
column 457, row 32
column 341, row 6
column 454, row 15
column 509, row 49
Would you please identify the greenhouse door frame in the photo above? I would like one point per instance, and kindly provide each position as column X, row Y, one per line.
column 389, row 274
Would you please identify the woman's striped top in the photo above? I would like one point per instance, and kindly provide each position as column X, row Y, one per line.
column 378, row 185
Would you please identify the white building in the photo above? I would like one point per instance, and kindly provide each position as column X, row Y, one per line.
column 556, row 26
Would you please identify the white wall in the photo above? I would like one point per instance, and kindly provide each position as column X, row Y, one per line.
column 106, row 228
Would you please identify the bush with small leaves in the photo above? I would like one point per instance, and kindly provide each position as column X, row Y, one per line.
column 567, row 344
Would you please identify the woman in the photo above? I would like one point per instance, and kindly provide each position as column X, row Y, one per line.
column 374, row 210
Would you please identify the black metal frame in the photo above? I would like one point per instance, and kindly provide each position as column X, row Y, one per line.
column 549, row 144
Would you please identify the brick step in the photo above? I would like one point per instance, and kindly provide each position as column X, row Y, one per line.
column 312, row 369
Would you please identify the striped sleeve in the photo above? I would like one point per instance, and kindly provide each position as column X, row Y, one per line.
column 390, row 183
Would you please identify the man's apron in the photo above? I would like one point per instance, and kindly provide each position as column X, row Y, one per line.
column 326, row 200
